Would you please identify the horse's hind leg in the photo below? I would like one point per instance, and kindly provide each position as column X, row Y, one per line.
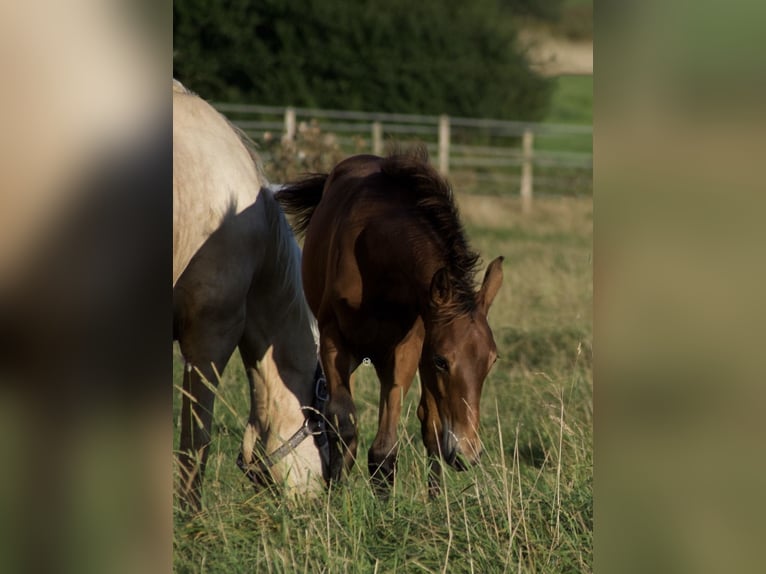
column 206, row 352
column 395, row 380
column 340, row 410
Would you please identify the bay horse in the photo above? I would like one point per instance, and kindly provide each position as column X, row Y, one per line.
column 389, row 275
column 237, row 284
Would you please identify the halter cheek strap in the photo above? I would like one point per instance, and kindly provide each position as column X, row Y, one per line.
column 313, row 425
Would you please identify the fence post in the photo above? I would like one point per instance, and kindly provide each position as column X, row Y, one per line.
column 289, row 134
column 444, row 144
column 526, row 171
column 377, row 138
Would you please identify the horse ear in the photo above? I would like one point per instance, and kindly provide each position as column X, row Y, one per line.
column 441, row 287
column 493, row 279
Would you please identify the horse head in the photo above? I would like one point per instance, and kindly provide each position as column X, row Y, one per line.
column 458, row 353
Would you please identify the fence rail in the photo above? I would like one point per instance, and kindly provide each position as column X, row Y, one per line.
column 484, row 155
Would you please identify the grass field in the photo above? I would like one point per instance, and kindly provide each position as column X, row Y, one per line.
column 572, row 101
column 526, row 508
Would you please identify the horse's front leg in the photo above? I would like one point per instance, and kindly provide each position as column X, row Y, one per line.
column 340, row 410
column 395, row 380
column 206, row 352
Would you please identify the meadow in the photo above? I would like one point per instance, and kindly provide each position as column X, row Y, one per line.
column 527, row 507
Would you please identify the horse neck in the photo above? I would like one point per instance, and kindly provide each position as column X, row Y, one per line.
column 295, row 343
column 284, row 314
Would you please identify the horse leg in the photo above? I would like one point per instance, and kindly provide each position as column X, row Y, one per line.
column 395, row 380
column 340, row 410
column 257, row 373
column 206, row 352
column 260, row 368
column 431, row 430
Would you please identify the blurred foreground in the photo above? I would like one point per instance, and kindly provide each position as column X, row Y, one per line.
column 85, row 221
column 679, row 278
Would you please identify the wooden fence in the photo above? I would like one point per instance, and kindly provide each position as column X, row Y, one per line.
column 479, row 155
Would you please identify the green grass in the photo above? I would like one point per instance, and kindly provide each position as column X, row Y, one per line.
column 526, row 508
column 572, row 101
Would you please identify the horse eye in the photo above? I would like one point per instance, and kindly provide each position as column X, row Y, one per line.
column 441, row 363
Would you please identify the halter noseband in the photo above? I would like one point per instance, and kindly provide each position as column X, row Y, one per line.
column 259, row 471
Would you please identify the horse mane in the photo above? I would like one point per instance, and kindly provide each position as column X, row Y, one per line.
column 287, row 257
column 287, row 260
column 435, row 206
column 252, row 150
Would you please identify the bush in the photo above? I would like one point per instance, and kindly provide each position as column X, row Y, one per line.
column 311, row 151
column 545, row 10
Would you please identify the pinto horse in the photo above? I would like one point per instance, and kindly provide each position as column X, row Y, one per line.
column 389, row 275
column 237, row 284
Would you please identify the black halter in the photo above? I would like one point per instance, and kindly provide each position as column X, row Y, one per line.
column 315, row 424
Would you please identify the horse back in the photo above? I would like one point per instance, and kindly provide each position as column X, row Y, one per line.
column 214, row 175
column 361, row 265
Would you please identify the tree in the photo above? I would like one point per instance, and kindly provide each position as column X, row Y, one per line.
column 430, row 56
column 543, row 10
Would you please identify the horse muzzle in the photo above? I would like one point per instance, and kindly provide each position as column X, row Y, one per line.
column 460, row 453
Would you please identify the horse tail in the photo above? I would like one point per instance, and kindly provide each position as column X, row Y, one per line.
column 299, row 199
